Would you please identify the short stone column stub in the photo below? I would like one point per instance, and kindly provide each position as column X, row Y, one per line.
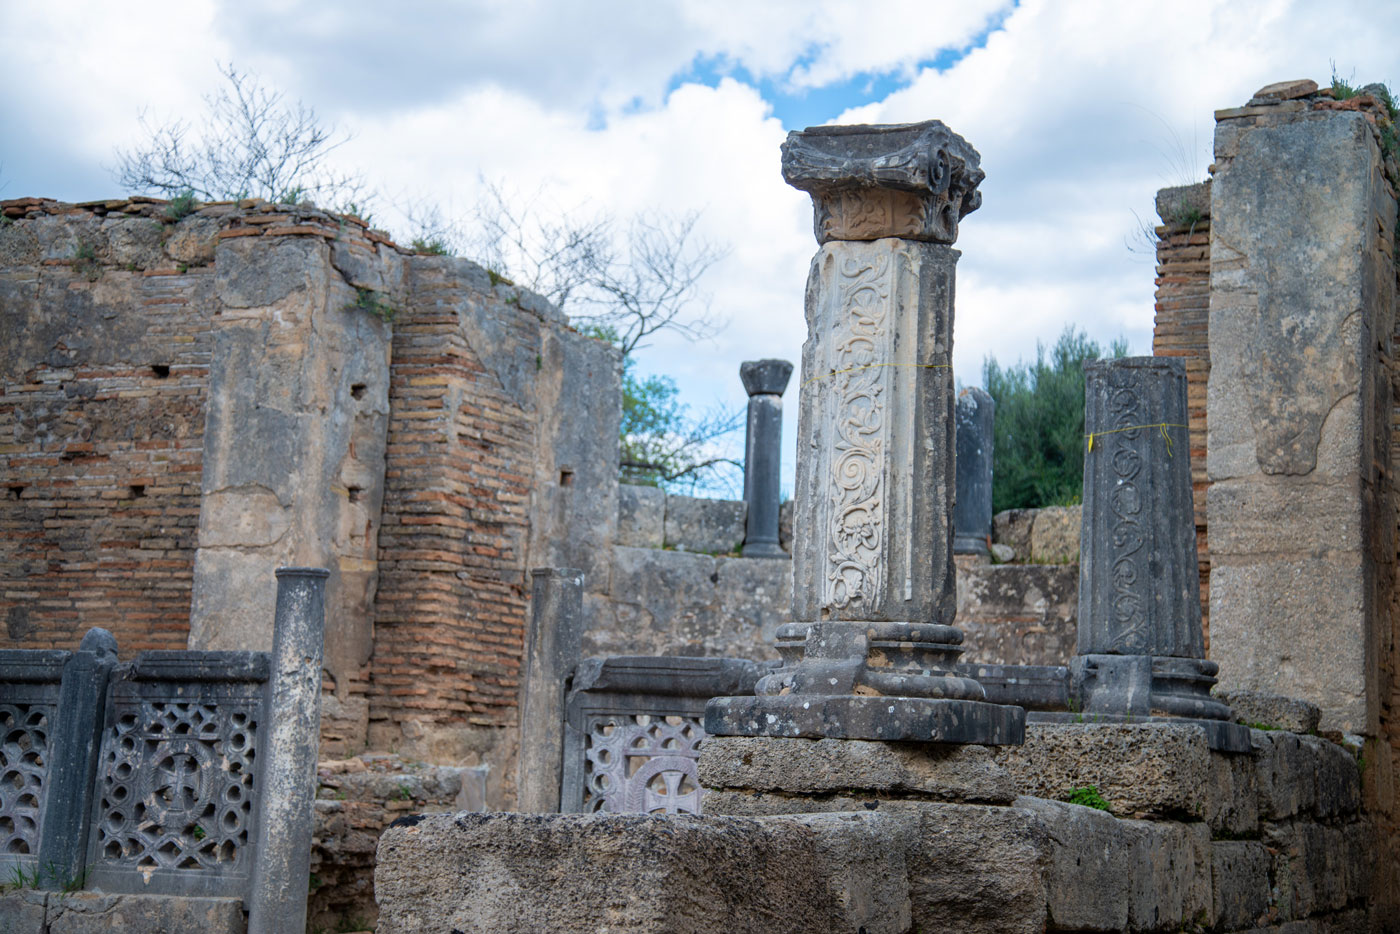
column 277, row 902
column 764, row 380
column 972, row 512
column 1141, row 651
column 872, row 650
column 552, row 648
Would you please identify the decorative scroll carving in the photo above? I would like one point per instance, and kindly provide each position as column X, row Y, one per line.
column 642, row 764
column 1125, row 501
column 913, row 180
column 856, row 562
column 177, row 787
column 24, row 761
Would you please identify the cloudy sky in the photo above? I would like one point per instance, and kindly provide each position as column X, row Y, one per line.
column 1081, row 109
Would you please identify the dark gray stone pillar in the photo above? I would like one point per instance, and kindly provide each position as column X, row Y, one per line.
column 972, row 513
column 75, row 741
column 764, row 380
column 1141, row 650
column 277, row 902
column 553, row 645
column 872, row 650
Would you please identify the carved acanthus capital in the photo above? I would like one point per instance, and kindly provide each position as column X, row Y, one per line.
column 911, row 180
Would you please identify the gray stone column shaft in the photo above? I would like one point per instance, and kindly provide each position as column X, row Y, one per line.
column 1139, row 585
column 287, row 786
column 552, row 648
column 1141, row 651
column 765, row 381
column 872, row 650
column 76, row 740
column 972, row 513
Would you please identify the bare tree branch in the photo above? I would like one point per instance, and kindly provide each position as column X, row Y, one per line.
column 251, row 142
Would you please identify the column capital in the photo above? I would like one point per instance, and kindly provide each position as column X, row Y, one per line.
column 909, row 180
column 765, row 377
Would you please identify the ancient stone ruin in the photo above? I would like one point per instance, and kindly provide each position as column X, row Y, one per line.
column 549, row 701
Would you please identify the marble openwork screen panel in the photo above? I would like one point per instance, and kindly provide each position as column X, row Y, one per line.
column 29, row 690
column 140, row 777
column 176, row 787
column 632, row 730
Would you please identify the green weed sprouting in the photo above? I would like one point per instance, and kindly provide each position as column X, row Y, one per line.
column 1088, row 797
column 182, row 205
column 85, row 261
column 374, row 303
column 434, row 246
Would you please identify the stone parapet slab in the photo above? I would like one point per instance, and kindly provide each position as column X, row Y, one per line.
column 830, row 766
column 28, row 911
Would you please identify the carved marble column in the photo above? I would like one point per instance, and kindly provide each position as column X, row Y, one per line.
column 1141, row 652
column 972, row 515
column 764, row 380
column 870, row 655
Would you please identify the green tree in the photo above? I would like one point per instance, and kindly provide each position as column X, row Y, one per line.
column 661, row 443
column 1039, row 427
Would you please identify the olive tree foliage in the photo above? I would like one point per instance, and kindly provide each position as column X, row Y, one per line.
column 250, row 142
column 619, row 280
column 1038, row 431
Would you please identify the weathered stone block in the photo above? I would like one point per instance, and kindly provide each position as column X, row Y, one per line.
column 1055, row 534
column 641, row 516
column 1175, row 205
column 674, row 603
column 1240, row 883
column 493, row 872
column 22, row 912
column 1092, row 858
column 1256, row 657
column 1018, row 614
column 708, row 526
column 1319, row 867
column 1171, row 879
column 1284, row 773
column 1142, row 770
column 1232, row 807
column 979, row 870
column 823, row 766
column 94, row 912
column 1013, row 527
column 1274, row 711
column 1337, row 778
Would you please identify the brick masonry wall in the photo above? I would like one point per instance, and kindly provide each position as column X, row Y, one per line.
column 1182, row 329
column 450, row 613
column 103, row 378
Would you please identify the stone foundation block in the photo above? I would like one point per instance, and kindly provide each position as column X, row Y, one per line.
column 1091, row 865
column 710, row 526
column 978, row 870
column 1319, row 868
column 1283, row 770
column 22, row 912
column 1055, row 534
column 1337, row 776
column 98, row 913
column 524, row 872
column 1240, row 880
column 1171, row 878
column 1232, row 807
column 1142, row 770
column 641, row 514
column 1255, row 708
column 826, row 766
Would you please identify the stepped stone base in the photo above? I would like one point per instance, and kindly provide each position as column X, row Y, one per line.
column 891, row 719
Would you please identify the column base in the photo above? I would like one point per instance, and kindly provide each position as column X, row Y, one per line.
column 763, row 550
column 846, row 716
column 1221, row 735
column 970, row 545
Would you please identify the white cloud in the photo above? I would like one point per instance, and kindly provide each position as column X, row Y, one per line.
column 1080, row 110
